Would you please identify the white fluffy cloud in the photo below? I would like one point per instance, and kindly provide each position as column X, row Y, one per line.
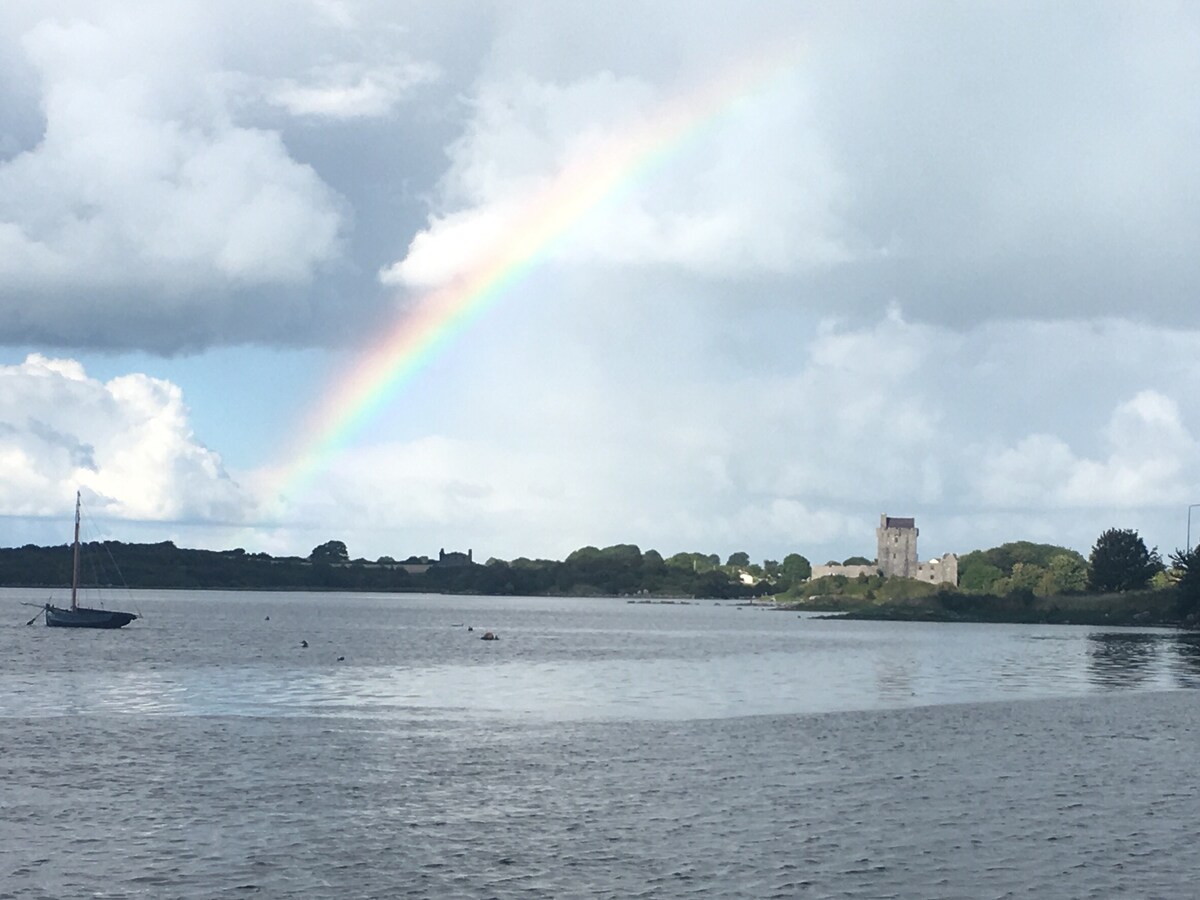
column 1150, row 452
column 776, row 435
column 150, row 196
column 717, row 184
column 126, row 443
column 141, row 177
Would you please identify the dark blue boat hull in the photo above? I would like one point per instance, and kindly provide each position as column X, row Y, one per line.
column 82, row 617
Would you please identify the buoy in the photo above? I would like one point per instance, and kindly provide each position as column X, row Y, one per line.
column 488, row 636
column 304, row 643
column 341, row 658
column 470, row 628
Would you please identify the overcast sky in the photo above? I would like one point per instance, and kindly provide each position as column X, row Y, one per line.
column 936, row 260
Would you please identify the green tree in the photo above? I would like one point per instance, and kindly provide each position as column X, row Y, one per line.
column 1066, row 574
column 857, row 561
column 978, row 575
column 1185, row 569
column 796, row 569
column 1025, row 578
column 740, row 559
column 1121, row 562
column 693, row 562
column 330, row 552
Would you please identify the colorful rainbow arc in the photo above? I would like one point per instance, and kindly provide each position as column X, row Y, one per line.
column 546, row 221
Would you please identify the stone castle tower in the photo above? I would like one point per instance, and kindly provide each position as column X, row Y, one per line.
column 897, row 555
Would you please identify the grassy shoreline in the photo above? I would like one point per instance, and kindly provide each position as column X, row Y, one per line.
column 1149, row 608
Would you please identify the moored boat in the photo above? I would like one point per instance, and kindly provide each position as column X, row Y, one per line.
column 85, row 617
column 76, row 616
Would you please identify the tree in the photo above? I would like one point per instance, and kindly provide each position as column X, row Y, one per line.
column 1121, row 562
column 978, row 575
column 857, row 561
column 796, row 568
column 330, row 552
column 1066, row 574
column 1185, row 565
column 741, row 559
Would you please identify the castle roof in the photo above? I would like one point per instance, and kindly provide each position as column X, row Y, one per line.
column 894, row 522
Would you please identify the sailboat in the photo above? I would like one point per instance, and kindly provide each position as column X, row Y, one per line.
column 77, row 616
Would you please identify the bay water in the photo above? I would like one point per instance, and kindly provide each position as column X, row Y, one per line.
column 597, row 748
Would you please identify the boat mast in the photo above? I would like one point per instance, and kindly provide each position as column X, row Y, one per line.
column 75, row 556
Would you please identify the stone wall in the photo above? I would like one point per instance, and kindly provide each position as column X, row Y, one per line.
column 939, row 571
column 848, row 571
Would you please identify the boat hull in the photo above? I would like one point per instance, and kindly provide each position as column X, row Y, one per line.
column 83, row 617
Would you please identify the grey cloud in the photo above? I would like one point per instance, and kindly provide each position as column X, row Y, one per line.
column 973, row 163
column 147, row 202
column 81, row 455
column 1018, row 162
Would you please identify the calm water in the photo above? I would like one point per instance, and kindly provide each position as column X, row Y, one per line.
column 598, row 749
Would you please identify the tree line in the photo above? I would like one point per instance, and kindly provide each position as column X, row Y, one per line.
column 1119, row 562
column 622, row 569
column 1014, row 574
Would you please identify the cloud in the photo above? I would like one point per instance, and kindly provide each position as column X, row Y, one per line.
column 349, row 91
column 126, row 443
column 1018, row 171
column 223, row 175
column 1149, row 451
column 142, row 183
column 633, row 429
column 935, row 262
column 737, row 186
column 595, row 416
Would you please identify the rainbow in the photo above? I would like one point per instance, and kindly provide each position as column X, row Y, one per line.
column 438, row 317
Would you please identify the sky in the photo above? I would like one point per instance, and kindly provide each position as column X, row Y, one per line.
column 528, row 277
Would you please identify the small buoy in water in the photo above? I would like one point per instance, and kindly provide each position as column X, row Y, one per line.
column 341, row 659
column 488, row 636
column 470, row 628
column 304, row 643
column 267, row 619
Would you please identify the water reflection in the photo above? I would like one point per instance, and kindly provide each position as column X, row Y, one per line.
column 1186, row 650
column 1124, row 659
column 896, row 679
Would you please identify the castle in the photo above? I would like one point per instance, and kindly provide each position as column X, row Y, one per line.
column 896, row 556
